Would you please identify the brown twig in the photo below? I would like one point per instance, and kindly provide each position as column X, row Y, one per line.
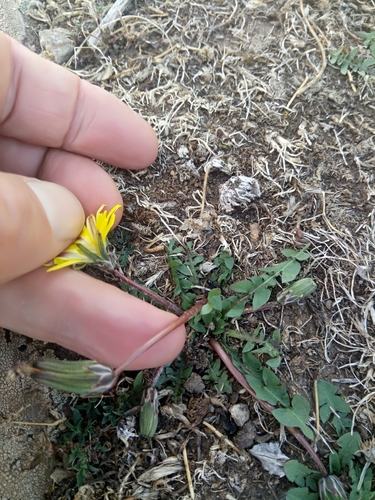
column 175, row 324
column 149, row 293
column 267, row 406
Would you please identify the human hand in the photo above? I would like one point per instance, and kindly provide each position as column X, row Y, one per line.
column 51, row 124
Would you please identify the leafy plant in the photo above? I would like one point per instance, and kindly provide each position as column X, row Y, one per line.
column 185, row 274
column 174, row 376
column 353, row 60
column 218, row 376
column 84, row 428
column 219, row 311
column 333, row 409
column 121, row 240
column 259, row 343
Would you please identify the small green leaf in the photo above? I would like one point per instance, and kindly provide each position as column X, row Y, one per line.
column 253, row 364
column 300, row 474
column 214, row 298
column 289, row 252
column 301, row 493
column 296, row 416
column 273, row 392
column 349, row 445
column 329, row 402
column 206, row 309
column 334, row 463
column 174, row 263
column 290, row 272
column 244, row 286
column 229, row 263
column 261, row 297
column 236, row 310
column 274, row 362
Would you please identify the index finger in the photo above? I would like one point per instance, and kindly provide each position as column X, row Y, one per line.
column 44, row 104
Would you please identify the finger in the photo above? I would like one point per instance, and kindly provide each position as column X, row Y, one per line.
column 38, row 220
column 88, row 316
column 82, row 176
column 44, row 104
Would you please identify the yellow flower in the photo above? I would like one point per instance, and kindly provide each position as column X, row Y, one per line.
column 91, row 244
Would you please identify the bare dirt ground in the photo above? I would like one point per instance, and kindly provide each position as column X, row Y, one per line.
column 244, row 88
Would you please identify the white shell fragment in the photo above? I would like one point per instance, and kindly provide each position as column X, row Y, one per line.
column 271, row 456
column 126, row 428
column 240, row 414
column 239, row 190
column 183, row 152
column 219, row 164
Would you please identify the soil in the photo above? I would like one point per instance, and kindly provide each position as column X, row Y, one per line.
column 216, row 80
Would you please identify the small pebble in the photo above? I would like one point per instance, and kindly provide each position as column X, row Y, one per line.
column 240, row 414
column 194, row 384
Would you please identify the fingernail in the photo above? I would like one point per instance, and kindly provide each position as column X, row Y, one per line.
column 63, row 210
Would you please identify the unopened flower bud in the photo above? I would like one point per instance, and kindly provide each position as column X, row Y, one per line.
column 296, row 291
column 331, row 488
column 149, row 418
column 87, row 377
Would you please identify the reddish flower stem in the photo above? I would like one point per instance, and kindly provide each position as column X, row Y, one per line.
column 149, row 293
column 176, row 323
column 267, row 406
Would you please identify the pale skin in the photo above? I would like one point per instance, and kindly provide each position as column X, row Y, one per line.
column 51, row 125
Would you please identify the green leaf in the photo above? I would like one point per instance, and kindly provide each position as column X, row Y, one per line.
column 301, row 493
column 334, row 463
column 329, row 402
column 184, row 270
column 301, row 475
column 276, row 336
column 206, row 309
column 270, row 389
column 185, row 284
column 214, row 298
column 174, row 263
column 244, row 286
column 274, row 362
column 289, row 252
column 229, row 262
column 296, row 416
column 236, row 310
column 349, row 445
column 261, row 297
column 290, row 272
column 253, row 364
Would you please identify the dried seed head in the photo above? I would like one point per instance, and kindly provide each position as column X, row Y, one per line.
column 331, row 488
column 296, row 291
column 87, row 377
column 368, row 449
column 149, row 418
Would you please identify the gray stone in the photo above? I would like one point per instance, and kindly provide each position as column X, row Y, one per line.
column 57, row 44
column 194, row 384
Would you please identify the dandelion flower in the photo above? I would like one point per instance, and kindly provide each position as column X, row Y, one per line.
column 91, row 245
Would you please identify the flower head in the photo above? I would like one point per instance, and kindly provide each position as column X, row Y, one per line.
column 331, row 488
column 86, row 377
column 91, row 244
